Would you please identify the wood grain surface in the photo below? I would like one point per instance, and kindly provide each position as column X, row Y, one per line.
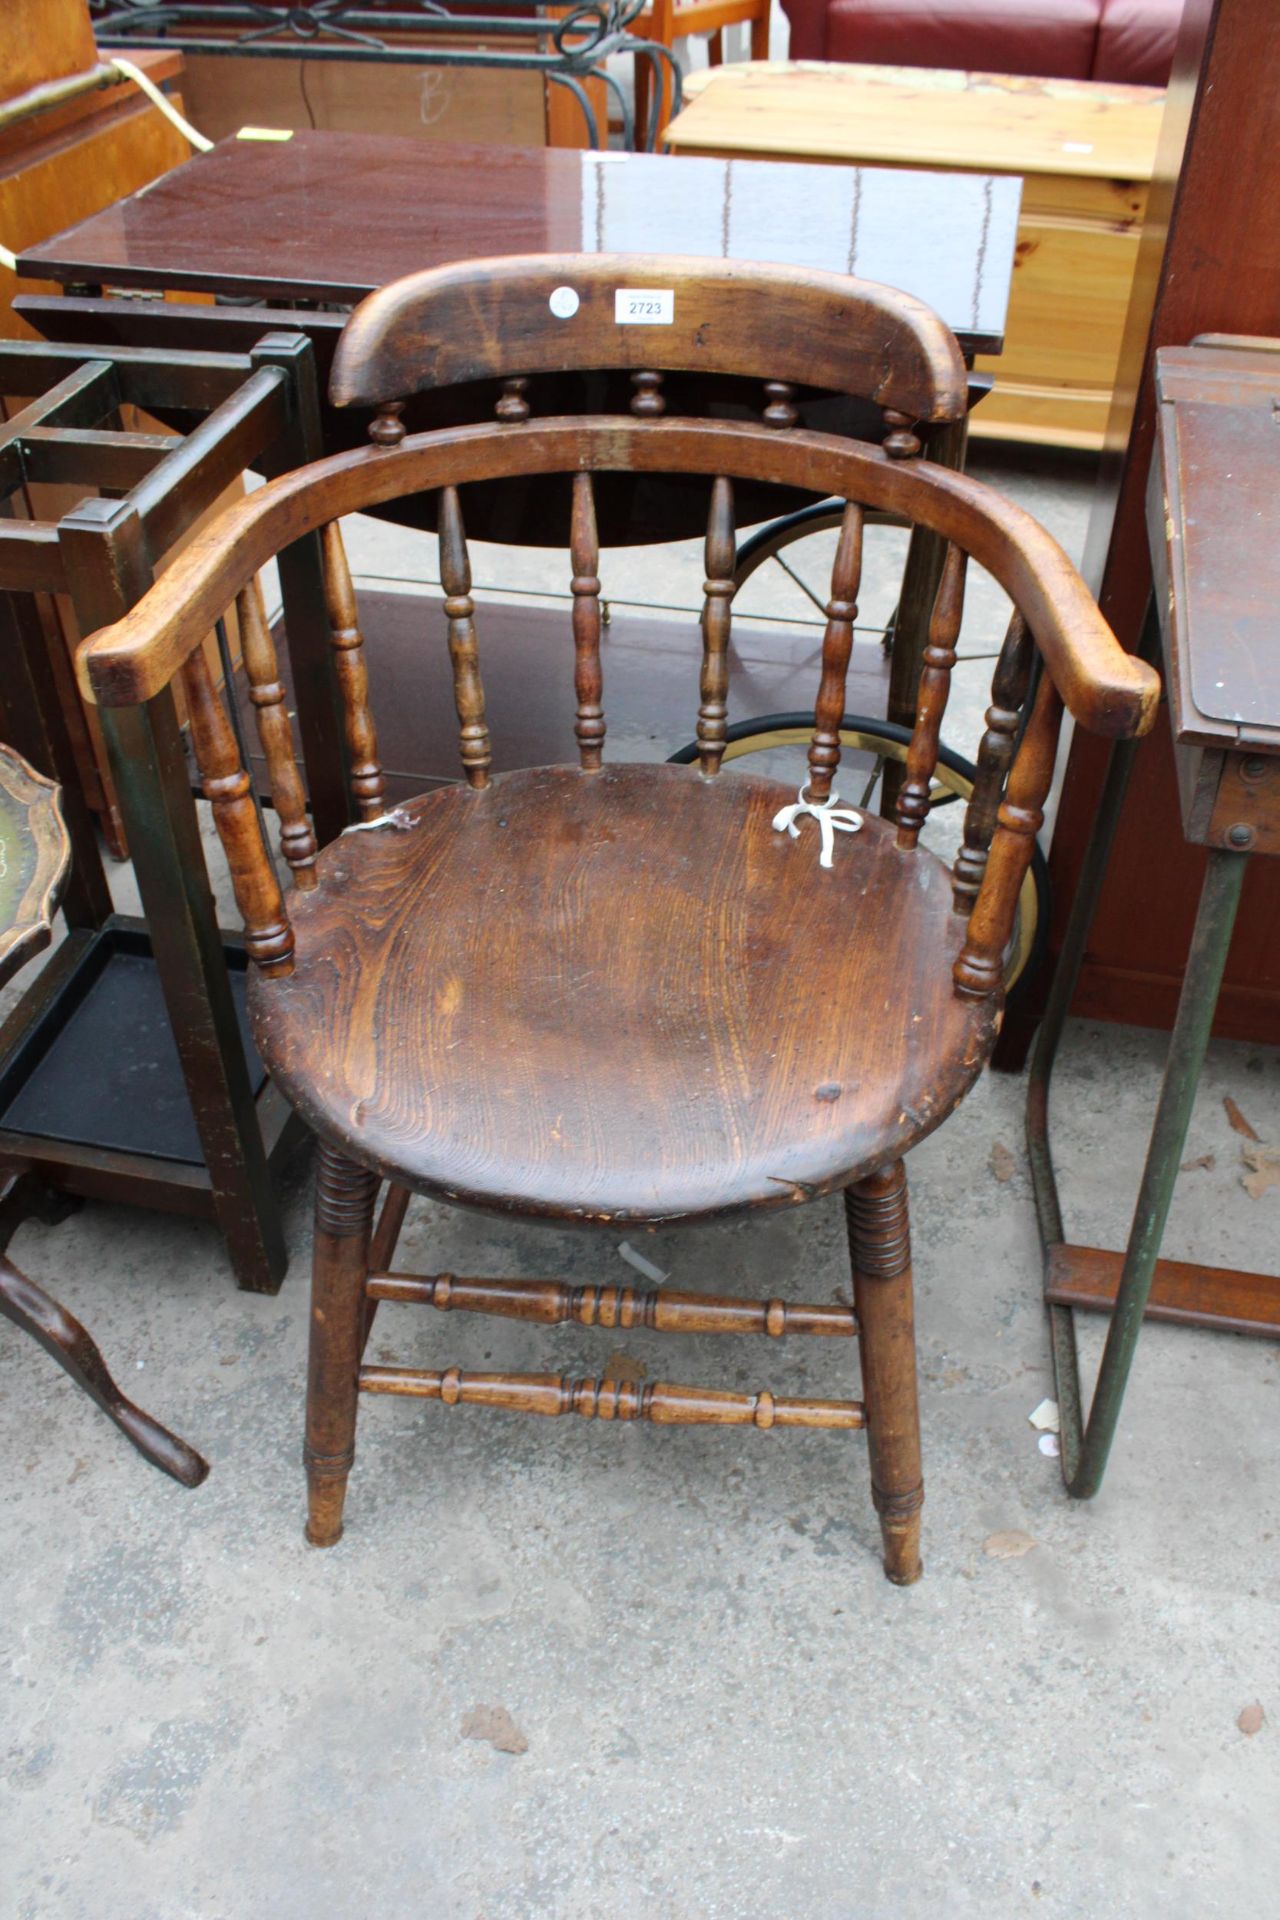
column 481, row 317
column 667, row 1013
column 923, row 117
column 1101, row 685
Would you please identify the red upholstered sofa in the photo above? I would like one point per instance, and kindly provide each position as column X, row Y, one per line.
column 1120, row 40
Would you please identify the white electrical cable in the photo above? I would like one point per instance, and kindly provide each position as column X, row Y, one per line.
column 167, row 108
column 127, row 70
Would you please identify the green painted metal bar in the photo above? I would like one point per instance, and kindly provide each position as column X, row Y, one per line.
column 1215, row 921
column 1085, row 1447
column 1044, row 1183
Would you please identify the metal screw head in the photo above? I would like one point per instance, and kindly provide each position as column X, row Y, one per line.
column 1240, row 836
column 1254, row 767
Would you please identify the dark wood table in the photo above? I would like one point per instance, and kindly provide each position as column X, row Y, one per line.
column 328, row 217
column 1213, row 523
column 332, row 216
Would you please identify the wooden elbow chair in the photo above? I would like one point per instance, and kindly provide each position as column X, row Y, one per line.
column 628, row 994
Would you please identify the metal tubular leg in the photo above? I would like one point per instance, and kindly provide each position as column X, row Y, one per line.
column 1215, row 920
column 1044, row 1184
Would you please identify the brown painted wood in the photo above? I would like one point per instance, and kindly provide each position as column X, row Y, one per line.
column 880, row 1252
column 837, row 648
column 1103, row 688
column 1009, row 687
column 584, row 553
column 597, row 993
column 693, row 954
column 474, row 320
column 660, row 1401
column 717, row 593
column 1187, row 1295
column 662, row 1309
column 528, row 660
column 225, row 785
column 459, row 612
column 345, row 1197
column 1019, row 820
column 267, row 694
column 347, row 641
column 935, row 685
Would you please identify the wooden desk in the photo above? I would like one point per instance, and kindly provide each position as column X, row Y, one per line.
column 1084, row 151
column 330, row 216
column 1214, row 528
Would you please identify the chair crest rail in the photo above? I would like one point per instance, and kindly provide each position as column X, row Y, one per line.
column 477, row 318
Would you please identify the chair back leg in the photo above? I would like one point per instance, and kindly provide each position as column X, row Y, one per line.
column 880, row 1250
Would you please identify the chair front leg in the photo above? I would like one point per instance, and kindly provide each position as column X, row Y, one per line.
column 345, row 1196
column 880, row 1250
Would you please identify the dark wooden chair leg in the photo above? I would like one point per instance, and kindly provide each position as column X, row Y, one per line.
column 66, row 1341
column 880, row 1249
column 345, row 1196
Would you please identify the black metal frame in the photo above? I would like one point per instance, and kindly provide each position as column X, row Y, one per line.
column 571, row 47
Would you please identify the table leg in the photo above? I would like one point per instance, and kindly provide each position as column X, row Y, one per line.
column 1215, row 921
column 23, row 1196
column 61, row 1335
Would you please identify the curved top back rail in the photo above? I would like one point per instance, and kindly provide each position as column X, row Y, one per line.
column 1105, row 688
column 489, row 318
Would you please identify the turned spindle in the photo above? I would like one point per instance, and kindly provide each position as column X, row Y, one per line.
column 717, row 590
column 512, row 406
column 662, row 1309
column 935, row 684
column 266, row 691
column 387, row 429
column 837, row 645
column 268, row 937
column 1009, row 685
column 900, row 442
column 648, row 402
column 659, row 1401
column 459, row 608
column 979, row 971
column 588, row 682
column 367, row 785
column 780, row 412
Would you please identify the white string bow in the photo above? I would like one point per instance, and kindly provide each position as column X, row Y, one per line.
column 831, row 820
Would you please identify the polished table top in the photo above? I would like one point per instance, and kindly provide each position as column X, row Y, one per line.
column 331, row 216
column 1214, row 518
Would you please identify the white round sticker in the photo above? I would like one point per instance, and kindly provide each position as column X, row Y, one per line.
column 564, row 303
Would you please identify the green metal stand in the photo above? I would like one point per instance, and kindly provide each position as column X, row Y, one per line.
column 1087, row 1444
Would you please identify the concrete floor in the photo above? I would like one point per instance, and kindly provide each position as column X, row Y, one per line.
column 722, row 1707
